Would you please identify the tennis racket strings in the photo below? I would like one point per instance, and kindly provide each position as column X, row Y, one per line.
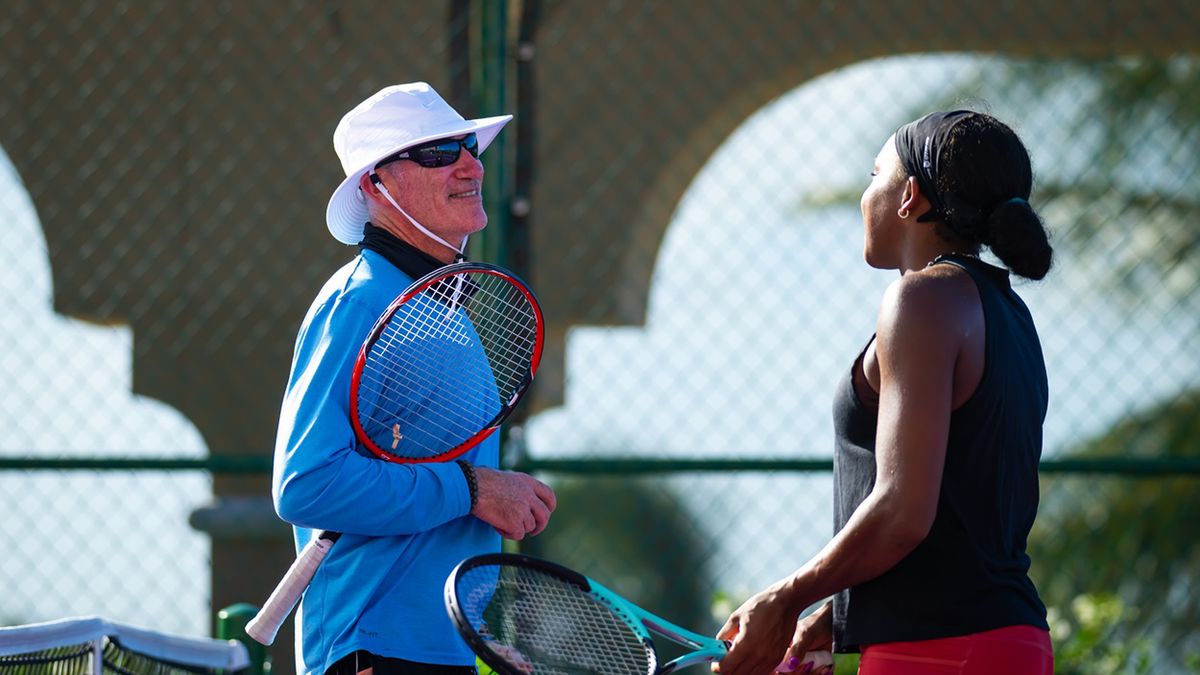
column 541, row 624
column 450, row 361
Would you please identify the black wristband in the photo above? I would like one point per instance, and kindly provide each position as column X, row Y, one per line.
column 472, row 482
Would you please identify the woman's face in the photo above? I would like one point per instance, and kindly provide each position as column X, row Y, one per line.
column 880, row 203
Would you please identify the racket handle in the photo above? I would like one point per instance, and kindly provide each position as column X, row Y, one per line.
column 266, row 623
column 811, row 662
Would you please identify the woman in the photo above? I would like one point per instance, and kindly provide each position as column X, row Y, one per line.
column 938, row 430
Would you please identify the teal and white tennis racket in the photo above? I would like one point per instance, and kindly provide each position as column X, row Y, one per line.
column 526, row 616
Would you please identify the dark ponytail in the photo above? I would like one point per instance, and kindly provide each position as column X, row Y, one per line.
column 1015, row 233
column 984, row 181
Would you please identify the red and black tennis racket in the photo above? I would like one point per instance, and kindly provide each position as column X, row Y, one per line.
column 441, row 370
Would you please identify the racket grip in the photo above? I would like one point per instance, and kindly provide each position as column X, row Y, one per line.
column 811, row 663
column 266, row 623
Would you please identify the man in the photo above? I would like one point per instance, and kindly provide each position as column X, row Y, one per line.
column 411, row 197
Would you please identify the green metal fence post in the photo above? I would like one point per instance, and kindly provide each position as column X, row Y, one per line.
column 489, row 65
column 231, row 625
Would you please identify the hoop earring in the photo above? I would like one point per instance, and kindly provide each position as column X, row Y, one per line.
column 903, row 213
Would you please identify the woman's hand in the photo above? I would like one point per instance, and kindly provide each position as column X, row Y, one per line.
column 761, row 631
column 813, row 633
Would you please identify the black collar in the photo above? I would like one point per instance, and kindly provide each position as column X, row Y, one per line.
column 404, row 256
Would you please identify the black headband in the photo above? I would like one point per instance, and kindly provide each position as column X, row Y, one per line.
column 919, row 143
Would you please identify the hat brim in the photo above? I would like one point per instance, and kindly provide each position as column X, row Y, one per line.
column 347, row 210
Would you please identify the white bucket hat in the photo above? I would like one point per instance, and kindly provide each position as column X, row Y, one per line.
column 395, row 118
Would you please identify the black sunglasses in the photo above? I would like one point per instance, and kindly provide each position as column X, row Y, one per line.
column 435, row 154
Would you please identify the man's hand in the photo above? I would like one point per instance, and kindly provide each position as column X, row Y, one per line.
column 516, row 504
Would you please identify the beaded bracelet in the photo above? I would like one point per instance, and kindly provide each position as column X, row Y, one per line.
column 472, row 482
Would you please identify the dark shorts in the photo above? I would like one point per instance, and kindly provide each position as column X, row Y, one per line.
column 359, row 661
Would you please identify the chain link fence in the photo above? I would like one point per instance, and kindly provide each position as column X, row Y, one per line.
column 681, row 188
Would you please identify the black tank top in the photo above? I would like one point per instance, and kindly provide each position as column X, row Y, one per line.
column 970, row 574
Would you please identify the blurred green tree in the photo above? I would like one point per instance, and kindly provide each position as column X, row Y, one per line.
column 1135, row 539
column 1118, row 558
column 634, row 536
column 1136, row 198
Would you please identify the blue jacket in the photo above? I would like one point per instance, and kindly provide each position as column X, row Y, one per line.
column 404, row 526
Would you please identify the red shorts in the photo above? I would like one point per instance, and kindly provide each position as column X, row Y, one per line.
column 1004, row 651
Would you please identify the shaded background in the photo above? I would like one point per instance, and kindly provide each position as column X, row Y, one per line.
column 164, row 234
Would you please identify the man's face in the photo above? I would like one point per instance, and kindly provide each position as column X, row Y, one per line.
column 447, row 200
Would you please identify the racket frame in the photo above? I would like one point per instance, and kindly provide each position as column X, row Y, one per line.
column 506, row 408
column 640, row 621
